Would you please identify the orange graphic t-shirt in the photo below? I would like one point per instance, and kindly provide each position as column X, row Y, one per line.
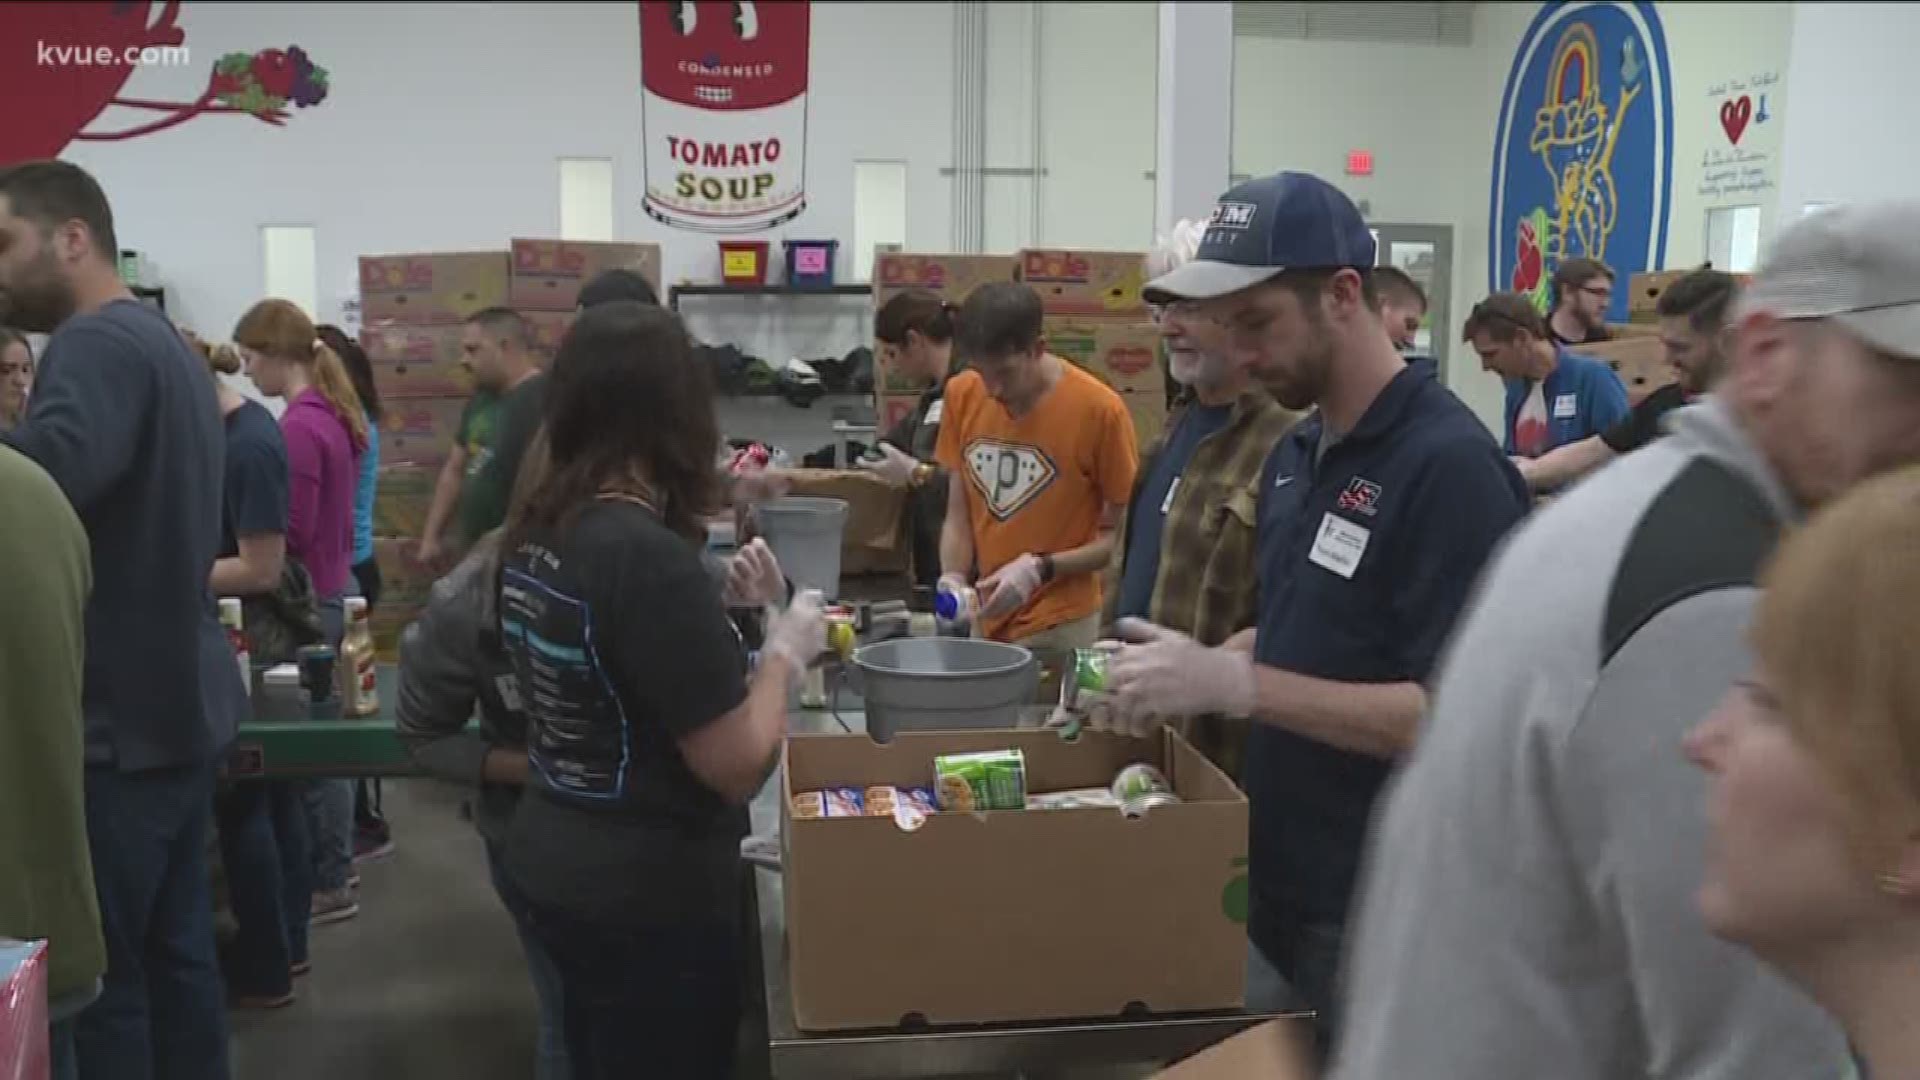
column 1038, row 485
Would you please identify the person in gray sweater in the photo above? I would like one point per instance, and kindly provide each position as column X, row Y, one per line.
column 1528, row 907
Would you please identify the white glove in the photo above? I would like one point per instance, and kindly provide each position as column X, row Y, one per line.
column 892, row 466
column 1161, row 675
column 1010, row 587
column 799, row 634
column 754, row 578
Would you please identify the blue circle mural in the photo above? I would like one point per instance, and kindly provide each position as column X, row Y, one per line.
column 1583, row 156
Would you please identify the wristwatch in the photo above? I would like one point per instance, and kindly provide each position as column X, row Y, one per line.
column 922, row 473
column 1046, row 568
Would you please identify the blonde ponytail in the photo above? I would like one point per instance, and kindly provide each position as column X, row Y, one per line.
column 330, row 378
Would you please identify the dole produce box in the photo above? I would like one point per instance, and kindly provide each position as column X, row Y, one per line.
column 411, row 360
column 1123, row 354
column 950, row 277
column 431, row 288
column 549, row 328
column 402, row 495
column 420, row 431
column 548, row 274
column 1149, row 411
column 404, row 588
column 998, row 918
column 1087, row 283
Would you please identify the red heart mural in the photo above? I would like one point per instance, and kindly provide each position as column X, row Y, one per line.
column 1734, row 114
column 48, row 103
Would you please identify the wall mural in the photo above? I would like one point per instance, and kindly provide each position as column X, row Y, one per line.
column 1583, row 156
column 723, row 107
column 64, row 64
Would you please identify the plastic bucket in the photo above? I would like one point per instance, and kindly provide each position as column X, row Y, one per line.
column 810, row 263
column 743, row 262
column 805, row 535
column 943, row 684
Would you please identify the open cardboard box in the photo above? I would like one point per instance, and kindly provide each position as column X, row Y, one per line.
column 1013, row 915
column 1275, row 1050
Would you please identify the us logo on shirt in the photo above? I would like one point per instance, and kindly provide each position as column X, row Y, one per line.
column 1007, row 475
column 1361, row 497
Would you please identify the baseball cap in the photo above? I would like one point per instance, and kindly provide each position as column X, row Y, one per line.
column 617, row 284
column 1287, row 221
column 1857, row 264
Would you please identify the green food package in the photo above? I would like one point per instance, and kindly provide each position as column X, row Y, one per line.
column 986, row 780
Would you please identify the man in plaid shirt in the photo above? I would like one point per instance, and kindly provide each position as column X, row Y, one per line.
column 1187, row 558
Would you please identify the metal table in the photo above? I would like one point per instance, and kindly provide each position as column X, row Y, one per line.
column 948, row 1051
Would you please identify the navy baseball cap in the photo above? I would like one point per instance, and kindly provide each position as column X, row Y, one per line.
column 1287, row 221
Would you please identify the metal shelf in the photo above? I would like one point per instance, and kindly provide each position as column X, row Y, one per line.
column 675, row 292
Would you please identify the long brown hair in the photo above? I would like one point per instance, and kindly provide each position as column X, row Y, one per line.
column 280, row 329
column 630, row 411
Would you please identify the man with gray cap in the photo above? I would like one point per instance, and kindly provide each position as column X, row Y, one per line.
column 1529, row 909
column 1374, row 515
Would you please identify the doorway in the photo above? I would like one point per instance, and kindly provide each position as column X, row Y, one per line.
column 1425, row 252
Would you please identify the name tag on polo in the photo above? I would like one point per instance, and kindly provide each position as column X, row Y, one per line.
column 1339, row 545
column 1565, row 407
column 935, row 411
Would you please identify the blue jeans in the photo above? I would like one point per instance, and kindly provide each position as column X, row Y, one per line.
column 161, row 1014
column 329, row 803
column 550, row 1061
column 263, row 842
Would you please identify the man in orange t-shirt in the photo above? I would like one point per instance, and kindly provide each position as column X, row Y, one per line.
column 1043, row 458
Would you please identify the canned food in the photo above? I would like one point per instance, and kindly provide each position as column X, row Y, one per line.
column 1140, row 804
column 1140, row 779
column 987, row 780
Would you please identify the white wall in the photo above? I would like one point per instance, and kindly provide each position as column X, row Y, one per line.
column 441, row 132
column 1850, row 126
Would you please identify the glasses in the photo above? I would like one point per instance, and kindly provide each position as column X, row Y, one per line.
column 1601, row 292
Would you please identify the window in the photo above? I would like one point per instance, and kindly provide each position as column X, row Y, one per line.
column 879, row 211
column 586, row 199
column 1733, row 238
column 288, row 267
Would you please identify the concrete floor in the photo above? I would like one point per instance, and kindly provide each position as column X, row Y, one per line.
column 427, row 983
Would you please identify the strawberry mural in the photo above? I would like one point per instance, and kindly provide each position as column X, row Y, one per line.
column 62, row 65
column 1530, row 273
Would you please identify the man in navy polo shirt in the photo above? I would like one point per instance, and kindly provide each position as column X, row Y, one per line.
column 1375, row 516
column 1554, row 397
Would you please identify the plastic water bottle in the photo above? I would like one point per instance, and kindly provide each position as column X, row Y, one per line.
column 956, row 606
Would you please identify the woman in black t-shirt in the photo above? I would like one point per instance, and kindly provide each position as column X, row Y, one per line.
column 646, row 733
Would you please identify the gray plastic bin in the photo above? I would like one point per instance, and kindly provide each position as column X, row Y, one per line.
column 805, row 535
column 943, row 684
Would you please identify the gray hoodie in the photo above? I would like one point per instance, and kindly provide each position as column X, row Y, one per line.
column 1528, row 906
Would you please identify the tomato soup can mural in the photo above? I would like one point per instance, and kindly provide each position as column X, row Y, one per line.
column 1583, row 155
column 724, row 110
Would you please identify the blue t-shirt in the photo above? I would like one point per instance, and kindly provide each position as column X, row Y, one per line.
column 1367, row 554
column 1581, row 398
column 256, row 479
column 363, row 495
column 1147, row 522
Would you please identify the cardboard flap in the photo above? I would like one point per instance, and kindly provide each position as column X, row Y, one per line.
column 1275, row 1050
column 875, row 508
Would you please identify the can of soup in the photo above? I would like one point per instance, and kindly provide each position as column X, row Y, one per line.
column 1141, row 787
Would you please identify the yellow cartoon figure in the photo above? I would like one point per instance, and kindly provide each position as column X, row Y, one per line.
column 1574, row 134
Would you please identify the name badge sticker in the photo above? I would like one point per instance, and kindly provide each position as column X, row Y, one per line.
column 1565, row 407
column 934, row 412
column 1339, row 545
column 1166, row 504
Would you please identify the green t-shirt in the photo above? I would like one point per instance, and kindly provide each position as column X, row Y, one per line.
column 47, row 890
column 481, row 508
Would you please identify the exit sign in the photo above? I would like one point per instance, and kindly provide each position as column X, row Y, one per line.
column 1359, row 163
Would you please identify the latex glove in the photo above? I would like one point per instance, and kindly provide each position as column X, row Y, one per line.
column 754, row 578
column 1008, row 588
column 799, row 634
column 1160, row 675
column 892, row 466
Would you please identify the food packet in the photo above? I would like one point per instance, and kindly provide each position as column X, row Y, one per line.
column 1073, row 799
column 829, row 803
column 986, row 780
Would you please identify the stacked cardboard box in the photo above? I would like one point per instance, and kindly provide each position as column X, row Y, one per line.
column 951, row 278
column 1095, row 317
column 1644, row 289
column 413, row 308
column 549, row 274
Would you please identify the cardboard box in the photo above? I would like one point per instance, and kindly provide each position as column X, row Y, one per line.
column 549, row 328
column 1104, row 283
column 976, row 918
column 1621, row 330
column 890, row 409
column 1275, row 1050
column 1149, row 411
column 1121, row 353
column 950, row 277
column 1644, row 289
column 402, row 495
column 431, row 289
column 420, row 431
column 874, row 540
column 417, row 361
column 404, row 589
column 548, row 274
column 1640, row 361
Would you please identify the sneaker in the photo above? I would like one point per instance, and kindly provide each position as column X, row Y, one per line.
column 302, row 969
column 372, row 844
column 334, row 906
column 250, row 1002
column 353, row 880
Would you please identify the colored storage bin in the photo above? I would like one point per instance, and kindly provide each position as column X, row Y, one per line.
column 743, row 262
column 810, row 263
